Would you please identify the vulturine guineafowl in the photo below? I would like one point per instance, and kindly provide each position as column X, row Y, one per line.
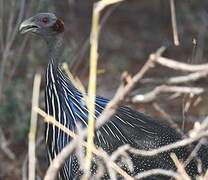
column 64, row 102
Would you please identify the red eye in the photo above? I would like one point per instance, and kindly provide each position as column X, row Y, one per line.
column 45, row 20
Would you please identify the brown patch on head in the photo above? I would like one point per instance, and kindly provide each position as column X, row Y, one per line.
column 58, row 26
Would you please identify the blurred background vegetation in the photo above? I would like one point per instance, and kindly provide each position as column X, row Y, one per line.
column 130, row 32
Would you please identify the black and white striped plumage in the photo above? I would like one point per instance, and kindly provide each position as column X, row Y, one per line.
column 65, row 103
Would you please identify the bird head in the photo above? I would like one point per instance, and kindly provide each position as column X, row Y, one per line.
column 43, row 24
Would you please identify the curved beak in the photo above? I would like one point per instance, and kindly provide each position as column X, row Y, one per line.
column 28, row 25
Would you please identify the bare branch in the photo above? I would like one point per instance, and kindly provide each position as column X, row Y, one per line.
column 123, row 90
column 174, row 24
column 180, row 167
column 188, row 78
column 168, row 147
column 33, row 127
column 4, row 146
column 192, row 77
column 152, row 95
column 164, row 172
column 168, row 118
column 57, row 163
column 194, row 152
column 98, row 152
column 170, row 63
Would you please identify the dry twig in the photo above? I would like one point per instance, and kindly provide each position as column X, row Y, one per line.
column 192, row 77
column 194, row 151
column 152, row 95
column 164, row 172
column 33, row 127
column 10, row 35
column 123, row 90
column 174, row 24
column 66, row 151
column 94, row 39
column 56, row 164
column 180, row 167
column 4, row 146
column 170, row 63
column 168, row 118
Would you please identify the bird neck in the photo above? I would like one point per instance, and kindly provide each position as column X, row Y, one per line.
column 55, row 48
